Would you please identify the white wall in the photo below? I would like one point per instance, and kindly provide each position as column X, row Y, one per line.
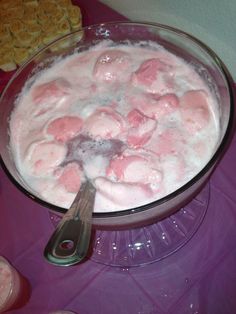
column 212, row 21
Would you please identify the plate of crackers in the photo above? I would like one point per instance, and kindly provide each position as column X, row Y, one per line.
column 28, row 25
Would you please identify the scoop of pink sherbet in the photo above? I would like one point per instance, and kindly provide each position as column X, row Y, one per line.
column 51, row 91
column 104, row 123
column 194, row 110
column 65, row 128
column 154, row 106
column 70, row 177
column 169, row 141
column 111, row 66
column 148, row 71
column 125, row 194
column 48, row 95
column 43, row 157
column 141, row 128
column 151, row 76
column 136, row 166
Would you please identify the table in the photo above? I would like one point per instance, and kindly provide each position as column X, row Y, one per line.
column 199, row 278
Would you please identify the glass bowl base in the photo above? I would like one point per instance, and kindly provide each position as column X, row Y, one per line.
column 152, row 243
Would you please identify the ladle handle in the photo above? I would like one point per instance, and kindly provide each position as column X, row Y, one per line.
column 69, row 243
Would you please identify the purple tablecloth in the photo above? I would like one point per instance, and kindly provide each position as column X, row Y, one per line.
column 200, row 278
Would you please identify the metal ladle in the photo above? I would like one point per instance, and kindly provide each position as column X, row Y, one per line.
column 69, row 243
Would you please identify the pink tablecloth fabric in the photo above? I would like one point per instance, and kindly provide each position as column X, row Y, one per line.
column 200, row 278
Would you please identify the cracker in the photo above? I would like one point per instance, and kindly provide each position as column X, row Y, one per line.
column 28, row 25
